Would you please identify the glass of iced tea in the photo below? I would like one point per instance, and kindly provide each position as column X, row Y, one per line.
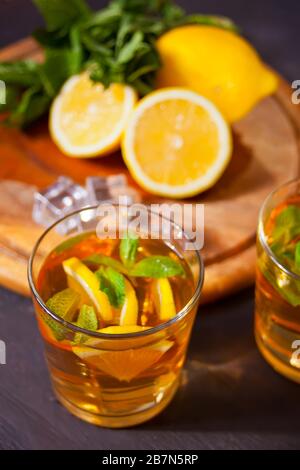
column 277, row 316
column 116, row 316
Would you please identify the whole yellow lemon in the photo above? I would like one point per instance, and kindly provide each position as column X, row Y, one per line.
column 218, row 64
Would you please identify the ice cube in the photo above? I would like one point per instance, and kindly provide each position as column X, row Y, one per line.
column 110, row 188
column 58, row 200
column 65, row 196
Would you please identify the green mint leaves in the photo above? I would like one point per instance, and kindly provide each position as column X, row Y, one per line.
column 60, row 14
column 113, row 284
column 286, row 248
column 297, row 258
column 128, row 250
column 157, row 267
column 88, row 320
column 115, row 44
column 70, row 243
column 102, row 260
column 152, row 266
column 284, row 234
column 64, row 304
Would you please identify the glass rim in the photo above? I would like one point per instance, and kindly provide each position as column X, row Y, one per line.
column 95, row 334
column 261, row 231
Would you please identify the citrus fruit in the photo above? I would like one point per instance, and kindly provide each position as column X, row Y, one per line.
column 163, row 299
column 126, row 364
column 87, row 120
column 84, row 281
column 176, row 144
column 218, row 64
column 130, row 308
column 64, row 304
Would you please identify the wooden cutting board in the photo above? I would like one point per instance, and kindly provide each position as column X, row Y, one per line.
column 266, row 154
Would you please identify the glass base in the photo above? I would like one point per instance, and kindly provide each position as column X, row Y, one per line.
column 283, row 368
column 123, row 421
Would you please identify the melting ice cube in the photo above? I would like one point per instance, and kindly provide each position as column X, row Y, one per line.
column 58, row 200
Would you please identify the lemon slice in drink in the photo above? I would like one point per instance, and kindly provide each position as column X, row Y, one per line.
column 123, row 365
column 84, row 281
column 163, row 299
column 130, row 308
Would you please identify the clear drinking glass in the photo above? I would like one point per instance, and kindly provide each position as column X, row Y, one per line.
column 277, row 312
column 113, row 380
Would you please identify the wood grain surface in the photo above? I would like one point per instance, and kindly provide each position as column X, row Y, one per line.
column 266, row 154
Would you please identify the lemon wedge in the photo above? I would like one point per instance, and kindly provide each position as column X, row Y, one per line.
column 84, row 281
column 176, row 144
column 87, row 120
column 123, row 365
column 130, row 308
column 163, row 299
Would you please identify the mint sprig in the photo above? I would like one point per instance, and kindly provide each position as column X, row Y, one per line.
column 283, row 243
column 152, row 266
column 128, row 249
column 157, row 267
column 103, row 260
column 70, row 243
column 113, row 284
column 284, row 236
column 115, row 44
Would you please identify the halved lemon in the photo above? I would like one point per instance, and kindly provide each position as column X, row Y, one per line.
column 123, row 365
column 87, row 120
column 84, row 281
column 163, row 299
column 130, row 308
column 177, row 143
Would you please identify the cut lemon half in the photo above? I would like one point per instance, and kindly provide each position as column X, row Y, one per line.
column 163, row 299
column 84, row 281
column 123, row 365
column 87, row 120
column 176, row 144
column 130, row 308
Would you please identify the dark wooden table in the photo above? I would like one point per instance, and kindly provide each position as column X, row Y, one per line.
column 231, row 399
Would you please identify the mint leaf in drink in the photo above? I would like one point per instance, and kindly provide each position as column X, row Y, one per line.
column 128, row 249
column 88, row 320
column 113, row 284
column 284, row 285
column 102, row 260
column 157, row 267
column 284, row 236
column 64, row 304
column 70, row 243
column 297, row 257
column 287, row 224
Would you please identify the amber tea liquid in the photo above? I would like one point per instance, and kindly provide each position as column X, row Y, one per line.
column 117, row 382
column 277, row 315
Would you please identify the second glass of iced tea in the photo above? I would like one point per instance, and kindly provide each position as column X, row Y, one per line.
column 116, row 316
column 277, row 316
